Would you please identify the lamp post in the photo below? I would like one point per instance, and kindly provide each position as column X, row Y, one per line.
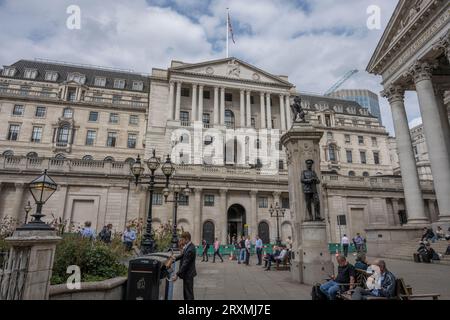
column 176, row 199
column 278, row 213
column 27, row 209
column 137, row 169
column 41, row 188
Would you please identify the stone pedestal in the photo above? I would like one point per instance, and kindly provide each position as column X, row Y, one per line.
column 30, row 264
column 312, row 261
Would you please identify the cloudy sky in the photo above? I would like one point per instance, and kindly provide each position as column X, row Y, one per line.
column 314, row 42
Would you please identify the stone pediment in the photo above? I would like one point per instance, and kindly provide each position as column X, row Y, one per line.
column 231, row 68
column 407, row 17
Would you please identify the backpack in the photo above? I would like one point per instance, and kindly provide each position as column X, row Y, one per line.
column 317, row 294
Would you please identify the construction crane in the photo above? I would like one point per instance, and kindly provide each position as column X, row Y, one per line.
column 338, row 84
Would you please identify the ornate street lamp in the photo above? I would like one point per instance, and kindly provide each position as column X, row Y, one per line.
column 177, row 192
column 41, row 188
column 277, row 213
column 27, row 209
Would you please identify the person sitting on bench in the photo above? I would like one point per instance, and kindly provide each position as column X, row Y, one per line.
column 384, row 285
column 276, row 258
column 342, row 282
column 275, row 252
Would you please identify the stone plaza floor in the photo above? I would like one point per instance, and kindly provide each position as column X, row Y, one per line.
column 232, row 281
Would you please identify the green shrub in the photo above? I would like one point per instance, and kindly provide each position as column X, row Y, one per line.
column 96, row 260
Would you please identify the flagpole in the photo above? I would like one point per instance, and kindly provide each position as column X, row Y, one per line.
column 227, row 26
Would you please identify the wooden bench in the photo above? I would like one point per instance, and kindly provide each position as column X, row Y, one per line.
column 402, row 291
column 285, row 264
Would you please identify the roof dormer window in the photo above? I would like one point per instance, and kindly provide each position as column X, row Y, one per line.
column 100, row 82
column 138, row 85
column 76, row 77
column 9, row 72
column 119, row 83
column 30, row 73
column 51, row 76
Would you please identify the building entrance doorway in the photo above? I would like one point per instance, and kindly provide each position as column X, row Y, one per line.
column 236, row 222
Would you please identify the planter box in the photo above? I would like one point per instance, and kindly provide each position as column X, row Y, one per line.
column 111, row 289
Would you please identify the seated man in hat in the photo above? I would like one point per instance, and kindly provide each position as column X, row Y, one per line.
column 381, row 284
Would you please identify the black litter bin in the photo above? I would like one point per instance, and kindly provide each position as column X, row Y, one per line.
column 143, row 279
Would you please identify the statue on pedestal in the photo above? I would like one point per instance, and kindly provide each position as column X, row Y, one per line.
column 297, row 110
column 310, row 181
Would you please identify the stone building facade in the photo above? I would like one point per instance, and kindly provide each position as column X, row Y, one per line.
column 219, row 120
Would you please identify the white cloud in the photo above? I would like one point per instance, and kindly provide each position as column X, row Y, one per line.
column 314, row 47
column 415, row 122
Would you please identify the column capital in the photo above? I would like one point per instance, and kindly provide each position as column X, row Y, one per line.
column 223, row 191
column 172, row 82
column 179, row 82
column 443, row 44
column 198, row 190
column 253, row 192
column 394, row 93
column 194, row 85
column 276, row 194
column 242, row 91
column 19, row 185
column 201, row 86
column 420, row 71
column 262, row 94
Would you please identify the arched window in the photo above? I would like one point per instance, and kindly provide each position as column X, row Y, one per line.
column 130, row 161
column 258, row 144
column 351, row 173
column 68, row 113
column 365, row 174
column 263, row 232
column 184, row 138
column 208, row 140
column 229, row 119
column 63, row 135
column 8, row 153
column 208, row 232
column 258, row 163
column 332, row 153
column 32, row 155
column 109, row 159
column 60, row 156
column 379, row 174
column 88, row 158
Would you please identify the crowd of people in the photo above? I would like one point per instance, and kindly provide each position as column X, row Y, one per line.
column 241, row 251
column 358, row 241
column 128, row 237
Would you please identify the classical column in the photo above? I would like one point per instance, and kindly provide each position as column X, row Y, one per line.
column 171, row 104
column 223, row 225
column 200, row 103
column 222, row 105
column 198, row 212
column 242, row 108
column 194, row 102
column 178, row 102
column 434, row 136
column 411, row 186
column 253, row 217
column 269, row 111
column 287, row 105
column 249, row 109
column 216, row 106
column 18, row 206
column 443, row 113
column 282, row 114
column 263, row 111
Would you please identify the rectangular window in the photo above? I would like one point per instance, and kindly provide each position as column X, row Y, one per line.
column 93, row 116
column 100, row 82
column 330, row 135
column 114, row 118
column 9, row 72
column 36, row 135
column 208, row 200
column 116, row 99
column 228, row 97
column 360, row 139
column 285, row 203
column 112, row 139
column 13, row 133
column 138, row 85
column 207, row 95
column 349, row 156
column 280, row 165
column 185, row 92
column 263, row 202
column 184, row 116
column 253, row 122
column 71, row 94
column 132, row 138
column 206, row 118
column 362, row 154
column 157, row 199
column 18, row 110
column 374, row 142
column 347, row 138
column 76, row 77
column 341, row 220
column 134, row 120
column 183, row 200
column 252, row 100
column 30, row 73
column 51, row 76
column 376, row 157
column 119, row 83
column 90, row 137
column 40, row 112
column 328, row 120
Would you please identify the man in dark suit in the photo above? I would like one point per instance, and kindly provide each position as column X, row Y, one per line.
column 187, row 270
